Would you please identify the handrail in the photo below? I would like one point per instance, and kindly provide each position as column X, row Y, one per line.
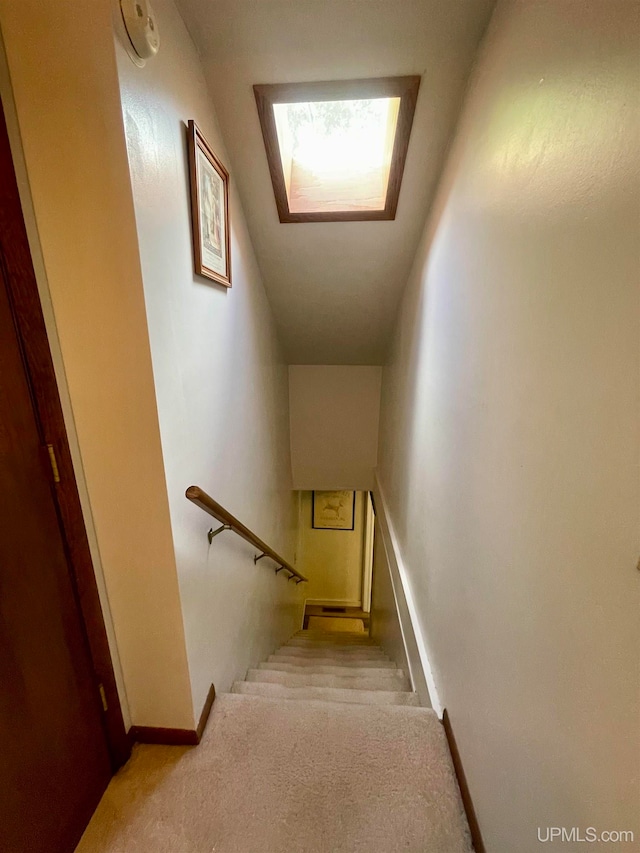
column 230, row 522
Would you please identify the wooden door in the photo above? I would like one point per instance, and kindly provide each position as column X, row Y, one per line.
column 54, row 756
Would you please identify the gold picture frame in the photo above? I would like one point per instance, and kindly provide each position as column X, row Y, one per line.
column 209, row 182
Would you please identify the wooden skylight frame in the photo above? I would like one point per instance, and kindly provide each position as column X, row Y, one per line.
column 404, row 88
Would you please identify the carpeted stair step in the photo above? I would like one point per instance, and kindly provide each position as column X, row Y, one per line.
column 306, row 644
column 325, row 694
column 347, row 639
column 338, row 647
column 339, row 654
column 328, row 669
column 350, row 682
column 316, row 632
column 329, row 660
column 339, row 644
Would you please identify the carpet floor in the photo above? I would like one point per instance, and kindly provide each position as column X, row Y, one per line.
column 291, row 773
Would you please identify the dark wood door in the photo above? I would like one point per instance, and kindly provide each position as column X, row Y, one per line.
column 54, row 758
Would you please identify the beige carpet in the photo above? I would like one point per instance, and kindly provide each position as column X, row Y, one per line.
column 295, row 775
column 338, row 623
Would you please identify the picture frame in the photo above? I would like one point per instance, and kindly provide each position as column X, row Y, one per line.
column 333, row 510
column 209, row 181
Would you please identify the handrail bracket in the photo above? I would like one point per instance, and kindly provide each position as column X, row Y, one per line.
column 212, row 532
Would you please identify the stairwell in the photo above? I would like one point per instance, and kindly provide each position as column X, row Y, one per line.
column 330, row 667
column 322, row 749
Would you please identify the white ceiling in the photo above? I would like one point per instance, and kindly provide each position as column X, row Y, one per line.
column 335, row 287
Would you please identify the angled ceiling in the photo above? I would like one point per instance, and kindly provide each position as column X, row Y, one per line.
column 335, row 287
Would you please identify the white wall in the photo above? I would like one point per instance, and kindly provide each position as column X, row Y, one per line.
column 334, row 425
column 64, row 79
column 331, row 559
column 509, row 431
column 220, row 380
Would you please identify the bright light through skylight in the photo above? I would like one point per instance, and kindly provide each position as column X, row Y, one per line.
column 336, row 155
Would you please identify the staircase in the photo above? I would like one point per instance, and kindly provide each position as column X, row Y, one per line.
column 367, row 769
column 322, row 749
column 335, row 667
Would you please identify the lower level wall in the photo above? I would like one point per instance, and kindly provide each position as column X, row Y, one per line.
column 332, row 559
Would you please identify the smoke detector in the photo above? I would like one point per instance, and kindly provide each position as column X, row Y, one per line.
column 142, row 28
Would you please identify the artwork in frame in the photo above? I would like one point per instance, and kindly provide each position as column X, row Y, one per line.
column 333, row 510
column 209, row 210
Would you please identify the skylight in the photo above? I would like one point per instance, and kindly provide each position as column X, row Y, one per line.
column 336, row 155
column 336, row 151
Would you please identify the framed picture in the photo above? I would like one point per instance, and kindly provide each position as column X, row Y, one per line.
column 333, row 510
column 209, row 210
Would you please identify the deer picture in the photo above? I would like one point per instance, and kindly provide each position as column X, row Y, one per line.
column 334, row 507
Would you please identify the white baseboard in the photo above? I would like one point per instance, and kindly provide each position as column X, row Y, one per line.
column 420, row 669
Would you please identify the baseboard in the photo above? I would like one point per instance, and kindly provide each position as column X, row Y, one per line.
column 419, row 667
column 167, row 737
column 472, row 820
column 175, row 737
column 206, row 710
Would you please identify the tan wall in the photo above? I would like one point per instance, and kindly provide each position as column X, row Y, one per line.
column 13, row 129
column 331, row 559
column 220, row 377
column 334, row 412
column 510, row 425
column 64, row 77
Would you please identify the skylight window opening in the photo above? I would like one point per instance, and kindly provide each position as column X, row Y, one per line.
column 336, row 155
column 336, row 151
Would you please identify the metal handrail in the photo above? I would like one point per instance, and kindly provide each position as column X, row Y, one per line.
column 230, row 522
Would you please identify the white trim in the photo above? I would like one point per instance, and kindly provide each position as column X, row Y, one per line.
column 411, row 658
column 416, row 651
column 367, row 552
